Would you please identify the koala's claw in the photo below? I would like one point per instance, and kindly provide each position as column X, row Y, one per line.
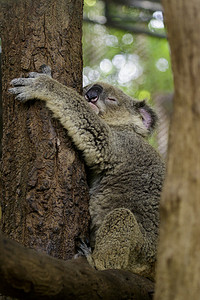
column 27, row 88
column 15, row 90
column 22, row 97
column 84, row 248
column 20, row 93
column 21, row 82
column 34, row 74
column 22, row 89
column 45, row 70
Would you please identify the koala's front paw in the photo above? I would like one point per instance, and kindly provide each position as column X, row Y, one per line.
column 23, row 88
column 29, row 88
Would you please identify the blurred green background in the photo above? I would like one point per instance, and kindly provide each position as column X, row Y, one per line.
column 124, row 44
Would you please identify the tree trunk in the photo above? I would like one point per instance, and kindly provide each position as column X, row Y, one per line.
column 44, row 192
column 178, row 269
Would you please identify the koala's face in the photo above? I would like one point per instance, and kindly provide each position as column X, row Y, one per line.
column 100, row 98
column 109, row 103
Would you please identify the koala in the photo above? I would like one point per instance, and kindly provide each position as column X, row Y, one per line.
column 125, row 173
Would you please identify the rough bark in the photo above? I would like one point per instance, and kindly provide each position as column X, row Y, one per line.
column 178, row 269
column 1, row 121
column 26, row 274
column 44, row 192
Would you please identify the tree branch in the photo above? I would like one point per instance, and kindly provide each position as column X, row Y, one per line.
column 27, row 274
column 133, row 29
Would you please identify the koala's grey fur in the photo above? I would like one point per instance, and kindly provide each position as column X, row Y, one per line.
column 125, row 173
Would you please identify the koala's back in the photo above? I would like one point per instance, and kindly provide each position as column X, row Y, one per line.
column 134, row 181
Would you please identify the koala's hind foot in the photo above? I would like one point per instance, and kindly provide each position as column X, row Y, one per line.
column 118, row 236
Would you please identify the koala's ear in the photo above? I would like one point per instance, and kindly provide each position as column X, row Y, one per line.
column 149, row 117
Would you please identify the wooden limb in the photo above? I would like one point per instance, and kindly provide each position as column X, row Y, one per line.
column 28, row 274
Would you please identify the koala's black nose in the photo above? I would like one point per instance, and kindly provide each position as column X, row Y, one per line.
column 93, row 93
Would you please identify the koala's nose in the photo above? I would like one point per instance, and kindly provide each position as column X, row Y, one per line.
column 93, row 93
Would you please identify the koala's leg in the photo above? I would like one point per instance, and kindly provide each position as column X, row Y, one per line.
column 118, row 238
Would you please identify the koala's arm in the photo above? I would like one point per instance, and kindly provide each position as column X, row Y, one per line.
column 88, row 132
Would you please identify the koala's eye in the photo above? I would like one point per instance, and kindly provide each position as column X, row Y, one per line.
column 112, row 99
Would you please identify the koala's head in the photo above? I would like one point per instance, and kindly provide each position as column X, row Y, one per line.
column 119, row 109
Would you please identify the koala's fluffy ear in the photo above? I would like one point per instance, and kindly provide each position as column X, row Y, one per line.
column 149, row 117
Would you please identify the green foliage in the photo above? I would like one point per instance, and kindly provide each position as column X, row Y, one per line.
column 139, row 64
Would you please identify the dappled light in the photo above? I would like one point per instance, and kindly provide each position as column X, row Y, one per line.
column 134, row 62
column 162, row 64
column 137, row 63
